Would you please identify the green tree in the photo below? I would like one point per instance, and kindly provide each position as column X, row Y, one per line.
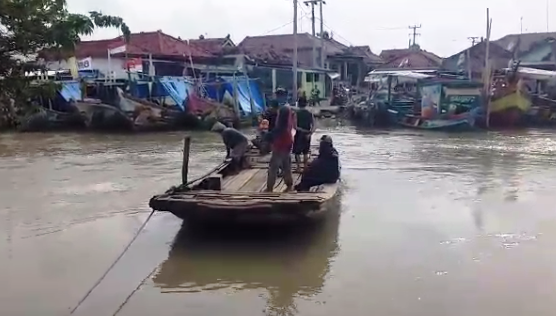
column 28, row 27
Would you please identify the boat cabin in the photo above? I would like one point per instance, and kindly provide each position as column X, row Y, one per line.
column 446, row 98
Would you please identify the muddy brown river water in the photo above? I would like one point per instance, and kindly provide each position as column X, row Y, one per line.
column 425, row 225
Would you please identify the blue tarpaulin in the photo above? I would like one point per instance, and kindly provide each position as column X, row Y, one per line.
column 71, row 90
column 245, row 88
column 178, row 89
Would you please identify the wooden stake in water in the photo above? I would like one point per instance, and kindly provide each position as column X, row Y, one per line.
column 185, row 162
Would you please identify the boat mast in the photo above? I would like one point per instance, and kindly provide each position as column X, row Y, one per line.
column 294, row 59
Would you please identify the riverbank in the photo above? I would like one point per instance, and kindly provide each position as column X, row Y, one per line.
column 473, row 207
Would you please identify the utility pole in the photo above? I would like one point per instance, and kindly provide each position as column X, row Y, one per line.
column 415, row 34
column 294, row 61
column 473, row 40
column 312, row 3
column 322, row 54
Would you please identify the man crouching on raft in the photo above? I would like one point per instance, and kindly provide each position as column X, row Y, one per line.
column 282, row 142
column 236, row 143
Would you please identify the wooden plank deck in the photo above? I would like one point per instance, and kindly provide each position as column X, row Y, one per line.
column 246, row 190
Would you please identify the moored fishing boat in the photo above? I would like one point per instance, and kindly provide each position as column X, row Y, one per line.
column 223, row 195
column 453, row 124
column 101, row 116
column 446, row 106
column 145, row 115
column 45, row 119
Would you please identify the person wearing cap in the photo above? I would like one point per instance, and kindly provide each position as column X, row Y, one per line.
column 324, row 169
column 281, row 140
column 236, row 143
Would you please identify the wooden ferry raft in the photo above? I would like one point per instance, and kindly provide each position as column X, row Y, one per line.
column 224, row 195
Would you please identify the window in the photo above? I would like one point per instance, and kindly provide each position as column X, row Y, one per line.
column 309, row 77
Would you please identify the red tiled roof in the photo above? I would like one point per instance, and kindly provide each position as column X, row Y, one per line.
column 211, row 45
column 279, row 48
column 144, row 43
column 390, row 54
column 411, row 58
column 368, row 56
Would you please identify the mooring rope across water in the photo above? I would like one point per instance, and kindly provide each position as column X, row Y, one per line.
column 134, row 291
column 97, row 283
column 217, row 168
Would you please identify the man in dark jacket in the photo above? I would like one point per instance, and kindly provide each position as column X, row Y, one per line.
column 236, row 143
column 324, row 169
column 305, row 127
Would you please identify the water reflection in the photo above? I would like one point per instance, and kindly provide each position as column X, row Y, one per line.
column 286, row 262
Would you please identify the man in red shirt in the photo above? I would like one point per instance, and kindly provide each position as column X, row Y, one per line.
column 282, row 143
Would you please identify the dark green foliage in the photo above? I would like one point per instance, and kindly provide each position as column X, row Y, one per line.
column 30, row 26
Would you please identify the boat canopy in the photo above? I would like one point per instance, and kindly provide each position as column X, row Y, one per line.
column 536, row 74
column 413, row 75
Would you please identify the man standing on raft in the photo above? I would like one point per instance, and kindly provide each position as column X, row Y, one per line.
column 282, row 142
column 305, row 127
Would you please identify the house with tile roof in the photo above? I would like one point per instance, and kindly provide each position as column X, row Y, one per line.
column 412, row 58
column 170, row 55
column 525, row 42
column 215, row 46
column 275, row 52
column 536, row 50
column 473, row 58
column 542, row 55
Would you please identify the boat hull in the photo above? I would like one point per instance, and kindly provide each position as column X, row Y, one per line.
column 464, row 123
column 509, row 111
column 100, row 116
column 508, row 118
column 257, row 215
column 50, row 120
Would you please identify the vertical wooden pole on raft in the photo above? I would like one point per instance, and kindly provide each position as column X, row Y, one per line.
column 236, row 102
column 185, row 161
column 252, row 102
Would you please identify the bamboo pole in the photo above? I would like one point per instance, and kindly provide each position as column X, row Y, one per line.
column 254, row 115
column 234, row 94
column 185, row 161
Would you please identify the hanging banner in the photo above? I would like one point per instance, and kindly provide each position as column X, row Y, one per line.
column 85, row 64
column 117, row 50
column 134, row 65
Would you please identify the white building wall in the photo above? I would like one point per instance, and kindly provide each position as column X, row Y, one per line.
column 101, row 64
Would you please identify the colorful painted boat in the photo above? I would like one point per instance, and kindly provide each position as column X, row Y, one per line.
column 508, row 105
column 445, row 106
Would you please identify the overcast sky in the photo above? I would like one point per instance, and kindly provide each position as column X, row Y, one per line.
column 446, row 24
